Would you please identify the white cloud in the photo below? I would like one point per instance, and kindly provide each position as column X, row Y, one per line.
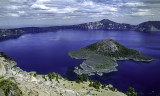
column 81, row 7
column 64, row 10
column 12, row 7
column 142, row 13
column 13, row 15
column 76, row 9
column 39, row 6
column 143, row 10
column 21, row 12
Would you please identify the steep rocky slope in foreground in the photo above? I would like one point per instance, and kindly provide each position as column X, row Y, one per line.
column 101, row 57
column 16, row 82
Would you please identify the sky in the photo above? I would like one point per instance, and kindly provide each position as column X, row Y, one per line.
column 42, row 13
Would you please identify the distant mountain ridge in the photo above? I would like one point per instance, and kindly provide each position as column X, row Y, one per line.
column 149, row 26
column 105, row 24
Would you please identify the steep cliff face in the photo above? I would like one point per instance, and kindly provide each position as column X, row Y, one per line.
column 104, row 24
column 150, row 26
column 7, row 32
column 16, row 82
column 3, row 68
column 5, row 65
column 10, row 33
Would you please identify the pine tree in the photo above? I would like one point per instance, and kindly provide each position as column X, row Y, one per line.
column 53, row 75
column 79, row 78
column 86, row 77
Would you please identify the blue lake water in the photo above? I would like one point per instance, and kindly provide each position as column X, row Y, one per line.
column 47, row 52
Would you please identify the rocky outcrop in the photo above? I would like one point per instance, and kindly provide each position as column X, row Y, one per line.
column 3, row 68
column 150, row 26
column 10, row 33
column 7, row 32
column 22, row 83
column 104, row 24
column 101, row 57
column 1, row 92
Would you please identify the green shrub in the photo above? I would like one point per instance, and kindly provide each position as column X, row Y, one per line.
column 131, row 92
column 10, row 87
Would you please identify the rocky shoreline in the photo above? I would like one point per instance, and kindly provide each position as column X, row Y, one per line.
column 32, row 84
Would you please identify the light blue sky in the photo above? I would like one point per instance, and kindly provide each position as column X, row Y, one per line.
column 24, row 13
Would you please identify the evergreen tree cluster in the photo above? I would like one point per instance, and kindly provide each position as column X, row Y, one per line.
column 95, row 84
column 111, row 88
column 52, row 76
column 44, row 77
column 131, row 92
column 81, row 78
column 103, row 86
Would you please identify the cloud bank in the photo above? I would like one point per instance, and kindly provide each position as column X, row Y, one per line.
column 64, row 12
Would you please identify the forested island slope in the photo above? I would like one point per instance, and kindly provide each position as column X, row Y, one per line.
column 101, row 57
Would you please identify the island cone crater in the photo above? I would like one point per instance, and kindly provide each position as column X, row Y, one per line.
column 101, row 57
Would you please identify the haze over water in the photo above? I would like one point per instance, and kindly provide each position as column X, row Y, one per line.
column 47, row 52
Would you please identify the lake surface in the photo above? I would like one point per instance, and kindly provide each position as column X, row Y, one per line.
column 47, row 52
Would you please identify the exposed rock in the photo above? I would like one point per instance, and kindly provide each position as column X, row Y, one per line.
column 2, row 68
column 104, row 24
column 1, row 93
column 150, row 26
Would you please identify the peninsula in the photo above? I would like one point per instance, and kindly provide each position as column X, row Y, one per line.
column 101, row 57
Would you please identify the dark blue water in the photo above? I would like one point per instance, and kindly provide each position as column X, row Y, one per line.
column 47, row 52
